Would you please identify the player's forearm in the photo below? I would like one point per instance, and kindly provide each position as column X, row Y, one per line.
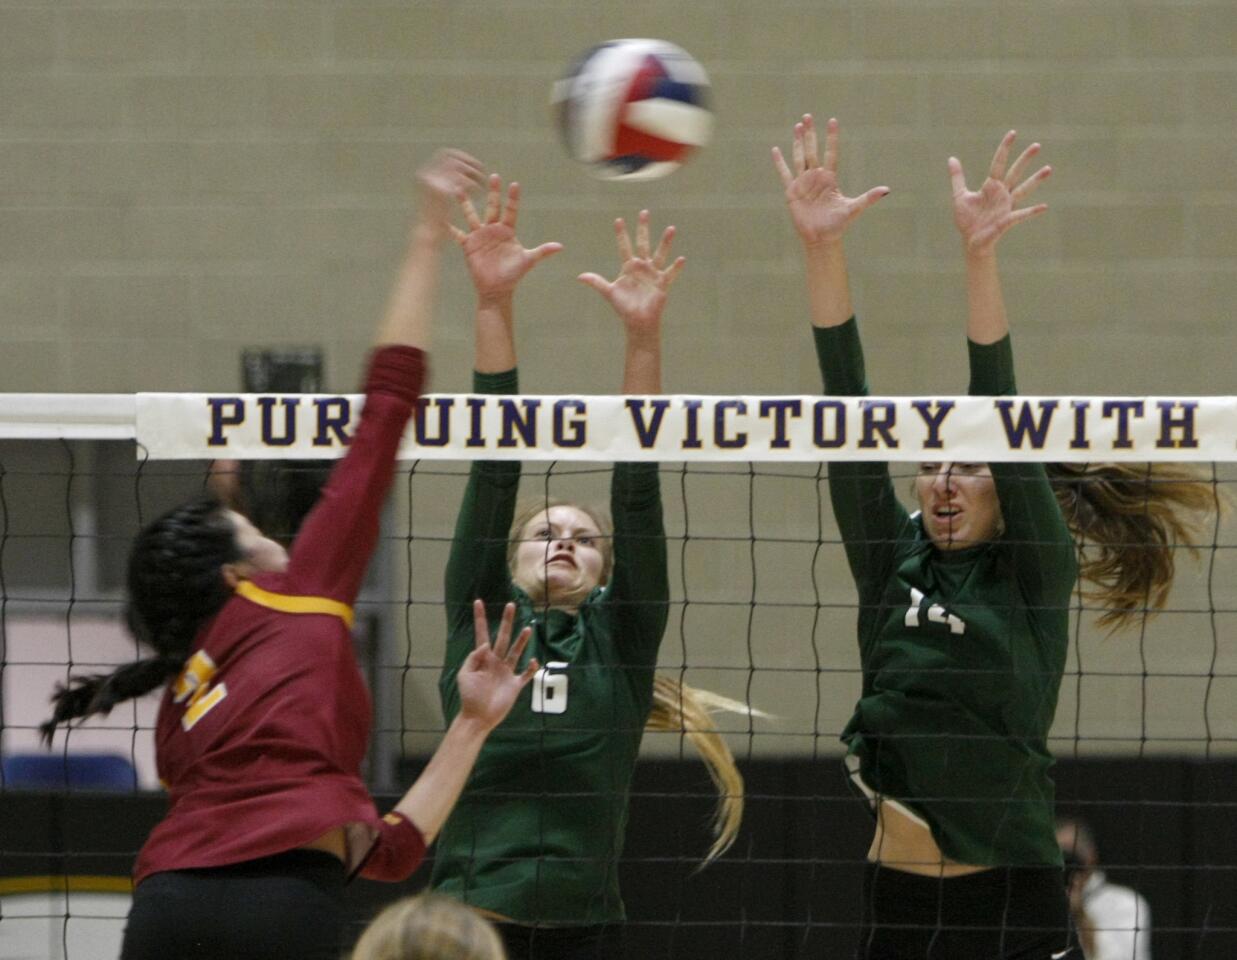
column 827, row 283
column 642, row 365
column 430, row 800
column 495, row 338
column 410, row 309
column 639, row 583
column 477, row 565
column 986, row 321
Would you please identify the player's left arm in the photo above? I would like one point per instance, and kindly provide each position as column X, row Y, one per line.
column 1035, row 530
column 639, row 589
column 488, row 682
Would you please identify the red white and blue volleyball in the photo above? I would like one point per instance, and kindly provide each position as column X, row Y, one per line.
column 634, row 109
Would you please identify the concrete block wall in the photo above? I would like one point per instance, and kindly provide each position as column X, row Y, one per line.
column 185, row 178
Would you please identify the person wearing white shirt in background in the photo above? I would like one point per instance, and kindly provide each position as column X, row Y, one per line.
column 1113, row 922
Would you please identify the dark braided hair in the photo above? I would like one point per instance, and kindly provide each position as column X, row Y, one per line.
column 175, row 584
column 1130, row 519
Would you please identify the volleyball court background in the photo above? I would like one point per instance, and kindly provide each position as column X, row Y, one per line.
column 179, row 181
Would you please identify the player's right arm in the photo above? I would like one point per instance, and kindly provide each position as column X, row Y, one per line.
column 477, row 566
column 868, row 513
column 338, row 536
column 639, row 589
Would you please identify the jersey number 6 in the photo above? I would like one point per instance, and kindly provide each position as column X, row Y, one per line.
column 550, row 689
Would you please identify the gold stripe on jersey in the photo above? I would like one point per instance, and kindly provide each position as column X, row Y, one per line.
column 287, row 603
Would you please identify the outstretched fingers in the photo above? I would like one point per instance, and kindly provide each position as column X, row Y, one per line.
column 811, row 149
column 533, row 666
column 537, row 254
column 642, row 235
column 1026, row 213
column 663, row 248
column 469, row 211
column 467, row 165
column 517, row 648
column 1024, row 189
column 597, row 282
column 1016, row 171
column 783, row 171
column 503, row 637
column 451, row 171
column 669, row 275
column 506, row 651
column 481, row 627
column 493, row 198
column 957, row 179
column 513, row 205
column 805, row 150
column 866, row 200
column 831, row 145
column 624, row 241
column 1001, row 157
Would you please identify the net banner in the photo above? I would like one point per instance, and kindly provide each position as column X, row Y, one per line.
column 67, row 416
column 702, row 428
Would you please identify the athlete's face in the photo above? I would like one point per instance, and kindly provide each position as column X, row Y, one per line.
column 959, row 503
column 559, row 556
column 259, row 553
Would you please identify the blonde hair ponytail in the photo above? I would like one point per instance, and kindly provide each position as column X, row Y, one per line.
column 678, row 708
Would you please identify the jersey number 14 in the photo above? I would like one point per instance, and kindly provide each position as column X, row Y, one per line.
column 936, row 614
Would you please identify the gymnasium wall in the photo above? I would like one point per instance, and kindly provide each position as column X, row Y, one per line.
column 179, row 180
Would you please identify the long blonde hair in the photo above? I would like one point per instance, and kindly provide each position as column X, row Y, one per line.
column 429, row 927
column 1129, row 520
column 677, row 708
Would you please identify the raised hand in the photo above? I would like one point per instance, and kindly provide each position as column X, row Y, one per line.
column 983, row 216
column 820, row 211
column 448, row 174
column 495, row 257
column 490, row 679
column 638, row 293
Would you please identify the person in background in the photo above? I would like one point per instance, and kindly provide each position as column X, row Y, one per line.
column 429, row 927
column 1113, row 922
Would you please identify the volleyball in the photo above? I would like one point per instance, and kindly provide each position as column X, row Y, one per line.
column 634, row 109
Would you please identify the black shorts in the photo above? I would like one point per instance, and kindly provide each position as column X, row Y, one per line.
column 599, row 942
column 1006, row 913
column 288, row 905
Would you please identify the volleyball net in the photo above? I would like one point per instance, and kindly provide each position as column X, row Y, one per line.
column 763, row 611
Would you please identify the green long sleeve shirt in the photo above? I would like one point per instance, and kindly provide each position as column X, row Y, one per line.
column 538, row 832
column 962, row 652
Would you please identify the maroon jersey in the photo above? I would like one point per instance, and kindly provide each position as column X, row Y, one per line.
column 260, row 740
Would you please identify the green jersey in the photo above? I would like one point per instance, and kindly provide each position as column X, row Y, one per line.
column 539, row 829
column 962, row 651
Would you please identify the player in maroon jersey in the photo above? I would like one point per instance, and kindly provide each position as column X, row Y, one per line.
column 265, row 717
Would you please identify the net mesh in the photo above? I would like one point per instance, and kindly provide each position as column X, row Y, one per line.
column 762, row 611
